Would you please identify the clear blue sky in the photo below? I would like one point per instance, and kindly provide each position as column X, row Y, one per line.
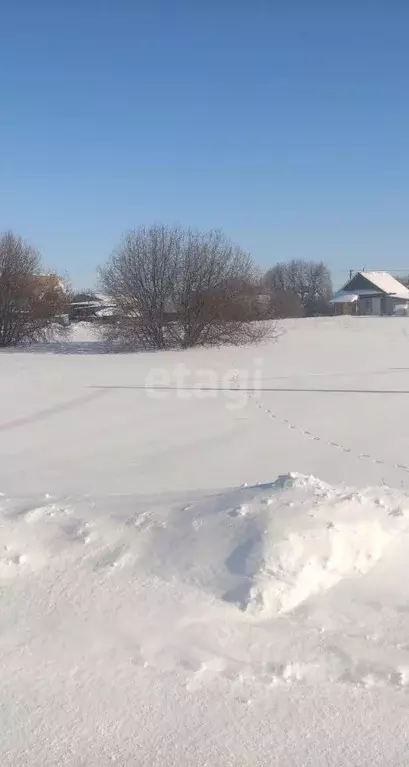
column 285, row 123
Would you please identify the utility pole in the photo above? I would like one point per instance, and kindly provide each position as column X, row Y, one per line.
column 351, row 271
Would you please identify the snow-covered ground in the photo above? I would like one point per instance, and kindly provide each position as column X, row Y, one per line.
column 203, row 554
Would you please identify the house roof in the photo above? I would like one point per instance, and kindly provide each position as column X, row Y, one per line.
column 384, row 282
column 344, row 298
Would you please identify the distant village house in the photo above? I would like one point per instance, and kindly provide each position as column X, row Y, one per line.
column 372, row 293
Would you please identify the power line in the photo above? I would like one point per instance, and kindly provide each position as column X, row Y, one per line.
column 354, row 271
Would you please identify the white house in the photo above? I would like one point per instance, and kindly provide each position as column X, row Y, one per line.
column 372, row 293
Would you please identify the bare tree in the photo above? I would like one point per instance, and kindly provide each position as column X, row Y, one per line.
column 309, row 281
column 214, row 294
column 175, row 287
column 30, row 301
column 139, row 278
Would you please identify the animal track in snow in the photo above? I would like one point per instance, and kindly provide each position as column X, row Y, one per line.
column 11, row 561
column 145, row 521
column 272, row 674
column 240, row 511
column 74, row 528
column 366, row 675
column 114, row 558
column 31, row 513
column 41, row 512
column 268, row 674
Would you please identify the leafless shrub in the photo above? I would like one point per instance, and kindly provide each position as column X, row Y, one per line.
column 284, row 303
column 30, row 302
column 178, row 288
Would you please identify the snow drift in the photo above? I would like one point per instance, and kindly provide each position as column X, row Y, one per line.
column 268, row 548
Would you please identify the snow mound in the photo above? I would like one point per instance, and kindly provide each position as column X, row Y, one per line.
column 266, row 549
column 315, row 539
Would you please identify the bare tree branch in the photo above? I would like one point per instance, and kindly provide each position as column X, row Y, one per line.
column 180, row 288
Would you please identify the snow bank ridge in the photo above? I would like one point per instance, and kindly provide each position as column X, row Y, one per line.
column 315, row 536
column 263, row 549
column 266, row 549
column 319, row 540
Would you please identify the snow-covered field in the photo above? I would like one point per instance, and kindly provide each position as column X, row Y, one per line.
column 203, row 554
